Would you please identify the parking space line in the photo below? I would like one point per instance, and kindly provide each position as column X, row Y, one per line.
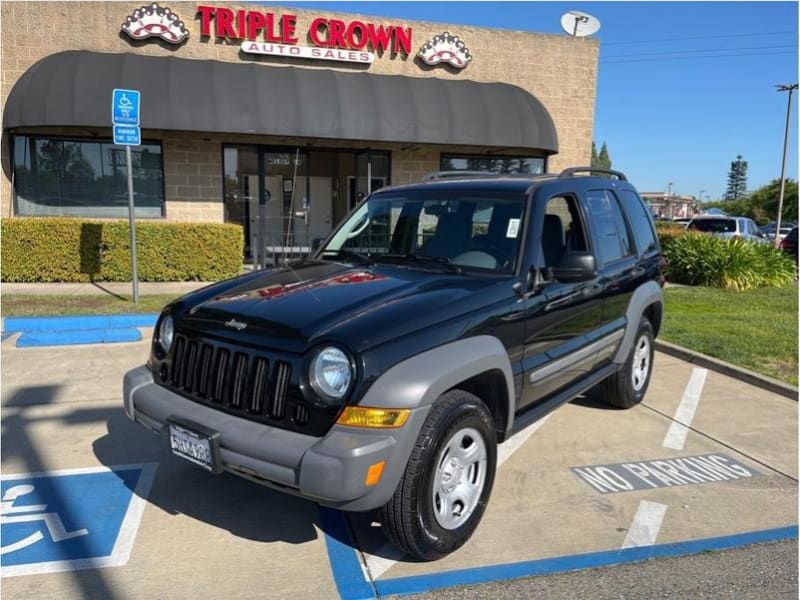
column 548, row 566
column 345, row 565
column 646, row 524
column 676, row 436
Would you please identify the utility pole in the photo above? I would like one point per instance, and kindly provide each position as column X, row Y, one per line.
column 783, row 88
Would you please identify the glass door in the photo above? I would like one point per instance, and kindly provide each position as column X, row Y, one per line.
column 284, row 229
column 372, row 173
column 241, row 191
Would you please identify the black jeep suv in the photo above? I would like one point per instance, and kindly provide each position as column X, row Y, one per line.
column 439, row 318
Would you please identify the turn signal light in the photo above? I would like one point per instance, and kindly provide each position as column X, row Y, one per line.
column 380, row 418
column 374, row 473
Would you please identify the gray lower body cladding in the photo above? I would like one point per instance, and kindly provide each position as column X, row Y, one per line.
column 330, row 470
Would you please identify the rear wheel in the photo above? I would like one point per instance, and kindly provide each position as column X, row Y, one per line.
column 627, row 387
column 448, row 480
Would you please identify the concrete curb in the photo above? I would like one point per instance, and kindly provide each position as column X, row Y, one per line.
column 720, row 366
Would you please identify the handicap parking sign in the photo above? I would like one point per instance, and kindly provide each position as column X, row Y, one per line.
column 125, row 107
column 74, row 519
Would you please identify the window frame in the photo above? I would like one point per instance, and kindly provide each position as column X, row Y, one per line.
column 72, row 138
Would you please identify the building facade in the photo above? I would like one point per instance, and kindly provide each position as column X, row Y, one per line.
column 273, row 117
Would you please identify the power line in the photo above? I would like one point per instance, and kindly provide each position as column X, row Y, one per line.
column 700, row 37
column 638, row 54
column 739, row 54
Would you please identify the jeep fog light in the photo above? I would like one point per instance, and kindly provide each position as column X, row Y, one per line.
column 166, row 332
column 331, row 373
column 380, row 418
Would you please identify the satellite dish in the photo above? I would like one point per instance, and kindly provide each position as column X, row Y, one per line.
column 579, row 24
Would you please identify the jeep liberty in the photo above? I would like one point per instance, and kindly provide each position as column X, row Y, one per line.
column 438, row 319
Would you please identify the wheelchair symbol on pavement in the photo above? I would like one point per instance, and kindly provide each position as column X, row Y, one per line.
column 31, row 513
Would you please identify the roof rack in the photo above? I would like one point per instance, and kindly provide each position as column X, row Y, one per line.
column 573, row 170
column 435, row 175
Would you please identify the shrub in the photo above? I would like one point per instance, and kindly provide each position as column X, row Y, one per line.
column 64, row 249
column 698, row 259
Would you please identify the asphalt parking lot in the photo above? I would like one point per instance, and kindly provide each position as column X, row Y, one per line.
column 707, row 462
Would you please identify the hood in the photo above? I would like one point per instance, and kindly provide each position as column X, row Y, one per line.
column 293, row 307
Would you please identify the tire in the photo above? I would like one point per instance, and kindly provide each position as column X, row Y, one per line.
column 627, row 387
column 416, row 518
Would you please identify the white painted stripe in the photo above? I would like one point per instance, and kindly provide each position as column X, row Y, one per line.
column 375, row 565
column 127, row 532
column 676, row 436
column 646, row 524
column 515, row 442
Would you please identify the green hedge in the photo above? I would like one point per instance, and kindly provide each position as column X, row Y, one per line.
column 45, row 249
column 699, row 259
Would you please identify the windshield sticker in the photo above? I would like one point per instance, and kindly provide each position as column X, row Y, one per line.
column 513, row 228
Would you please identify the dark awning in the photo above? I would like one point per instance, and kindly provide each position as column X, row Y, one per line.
column 74, row 89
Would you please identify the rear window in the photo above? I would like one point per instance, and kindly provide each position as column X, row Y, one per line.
column 640, row 221
column 713, row 225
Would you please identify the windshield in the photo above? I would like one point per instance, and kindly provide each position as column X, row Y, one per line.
column 714, row 225
column 470, row 230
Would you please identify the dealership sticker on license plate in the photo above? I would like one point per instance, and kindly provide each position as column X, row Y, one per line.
column 193, row 446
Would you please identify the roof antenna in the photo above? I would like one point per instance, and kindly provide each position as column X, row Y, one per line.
column 579, row 24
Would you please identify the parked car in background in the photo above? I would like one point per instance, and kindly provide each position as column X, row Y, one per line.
column 769, row 230
column 727, row 227
column 682, row 220
column 789, row 243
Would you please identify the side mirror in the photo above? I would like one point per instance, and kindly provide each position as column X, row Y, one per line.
column 575, row 267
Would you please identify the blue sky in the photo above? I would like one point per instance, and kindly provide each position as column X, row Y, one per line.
column 681, row 116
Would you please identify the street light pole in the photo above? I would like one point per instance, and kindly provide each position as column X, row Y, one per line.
column 700, row 200
column 783, row 88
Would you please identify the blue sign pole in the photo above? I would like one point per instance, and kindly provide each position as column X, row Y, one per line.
column 125, row 106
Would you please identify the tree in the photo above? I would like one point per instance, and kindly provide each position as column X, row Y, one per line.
column 765, row 201
column 737, row 179
column 594, row 156
column 603, row 159
column 762, row 204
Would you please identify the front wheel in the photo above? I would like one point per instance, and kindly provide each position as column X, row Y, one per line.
column 448, row 480
column 626, row 387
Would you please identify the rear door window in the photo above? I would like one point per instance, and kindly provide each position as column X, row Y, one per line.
column 609, row 225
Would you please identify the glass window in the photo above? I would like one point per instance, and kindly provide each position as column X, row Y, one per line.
column 85, row 178
column 713, row 225
column 610, row 228
column 562, row 231
column 524, row 165
column 423, row 229
column 640, row 220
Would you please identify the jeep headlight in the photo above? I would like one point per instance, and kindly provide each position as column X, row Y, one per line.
column 166, row 333
column 330, row 373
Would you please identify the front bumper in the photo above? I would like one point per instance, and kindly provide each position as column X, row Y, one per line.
column 329, row 469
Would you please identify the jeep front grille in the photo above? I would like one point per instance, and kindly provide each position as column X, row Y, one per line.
column 237, row 381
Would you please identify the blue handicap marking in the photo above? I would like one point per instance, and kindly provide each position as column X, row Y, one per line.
column 125, row 107
column 125, row 135
column 70, row 519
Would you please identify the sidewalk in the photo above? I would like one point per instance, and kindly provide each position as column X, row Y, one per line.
column 94, row 289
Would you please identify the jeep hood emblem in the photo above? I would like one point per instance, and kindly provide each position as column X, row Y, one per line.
column 237, row 325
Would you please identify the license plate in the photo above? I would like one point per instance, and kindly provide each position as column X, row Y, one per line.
column 200, row 448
